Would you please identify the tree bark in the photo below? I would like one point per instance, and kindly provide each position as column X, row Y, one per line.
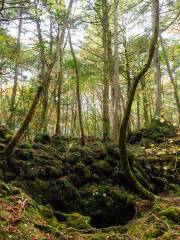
column 124, row 124
column 78, row 93
column 105, row 33
column 145, row 105
column 116, row 105
column 58, row 105
column 158, row 95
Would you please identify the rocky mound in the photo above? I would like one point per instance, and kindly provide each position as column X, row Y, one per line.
column 158, row 130
column 88, row 180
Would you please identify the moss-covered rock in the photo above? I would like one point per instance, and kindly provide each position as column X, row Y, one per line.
column 5, row 134
column 107, row 205
column 102, row 167
column 42, row 138
column 24, row 154
column 78, row 221
column 173, row 214
column 157, row 131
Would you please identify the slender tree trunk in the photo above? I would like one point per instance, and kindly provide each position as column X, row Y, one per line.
column 176, row 96
column 144, row 98
column 116, row 105
column 127, row 66
column 158, row 95
column 124, row 124
column 58, row 107
column 105, row 32
column 78, row 93
column 53, row 57
column 16, row 72
column 138, row 111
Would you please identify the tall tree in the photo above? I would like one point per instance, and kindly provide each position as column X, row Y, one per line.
column 158, row 95
column 176, row 96
column 44, row 77
column 78, row 93
column 115, row 87
column 105, row 38
column 124, row 124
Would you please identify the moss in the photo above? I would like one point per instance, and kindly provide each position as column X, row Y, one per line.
column 24, row 154
column 78, row 221
column 102, row 167
column 8, row 136
column 158, row 129
column 73, row 157
column 42, row 138
column 24, row 145
column 173, row 214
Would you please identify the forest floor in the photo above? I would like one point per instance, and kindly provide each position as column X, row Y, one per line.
column 58, row 189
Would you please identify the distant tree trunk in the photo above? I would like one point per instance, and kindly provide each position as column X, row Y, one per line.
column 145, row 105
column 116, row 106
column 58, row 106
column 124, row 124
column 127, row 67
column 138, row 111
column 53, row 57
column 11, row 120
column 158, row 95
column 105, row 30
column 78, row 93
column 176, row 96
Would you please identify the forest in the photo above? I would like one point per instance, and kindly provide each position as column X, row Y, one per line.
column 89, row 119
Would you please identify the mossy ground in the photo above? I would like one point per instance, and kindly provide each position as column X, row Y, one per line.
column 158, row 220
column 81, row 192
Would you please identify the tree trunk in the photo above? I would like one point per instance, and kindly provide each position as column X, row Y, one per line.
column 10, row 147
column 58, row 107
column 158, row 96
column 138, row 111
column 145, row 105
column 176, row 96
column 124, row 124
column 78, row 93
column 116, row 106
column 105, row 33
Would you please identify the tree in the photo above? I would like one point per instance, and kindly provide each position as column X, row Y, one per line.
column 78, row 93
column 115, row 84
column 158, row 96
column 105, row 38
column 176, row 96
column 44, row 79
column 11, row 122
column 124, row 124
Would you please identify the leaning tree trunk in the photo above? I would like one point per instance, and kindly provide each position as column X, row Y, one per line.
column 124, row 124
column 10, row 147
column 78, row 93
